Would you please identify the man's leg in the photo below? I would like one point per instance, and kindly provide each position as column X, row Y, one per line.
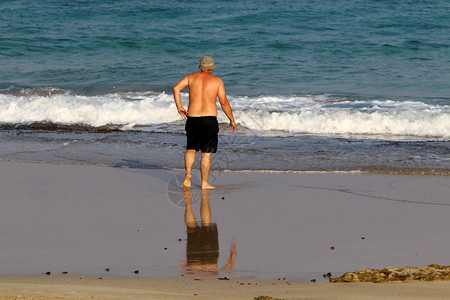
column 189, row 159
column 205, row 165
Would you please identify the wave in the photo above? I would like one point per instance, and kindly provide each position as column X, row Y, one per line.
column 64, row 108
column 345, row 121
column 298, row 114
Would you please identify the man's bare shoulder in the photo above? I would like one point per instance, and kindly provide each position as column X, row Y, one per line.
column 215, row 78
column 192, row 75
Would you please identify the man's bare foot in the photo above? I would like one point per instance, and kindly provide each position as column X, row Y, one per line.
column 187, row 181
column 207, row 186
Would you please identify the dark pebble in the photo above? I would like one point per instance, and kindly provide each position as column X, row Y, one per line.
column 332, row 248
column 329, row 275
column 313, row 280
column 65, row 273
column 223, row 198
column 363, row 238
column 223, row 278
column 136, row 272
column 179, row 240
column 48, row 273
column 107, row 269
column 165, row 248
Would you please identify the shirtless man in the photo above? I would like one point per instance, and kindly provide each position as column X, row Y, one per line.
column 201, row 125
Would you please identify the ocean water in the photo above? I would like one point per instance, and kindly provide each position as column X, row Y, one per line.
column 315, row 85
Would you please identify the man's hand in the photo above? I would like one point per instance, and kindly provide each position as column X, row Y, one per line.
column 183, row 112
column 233, row 127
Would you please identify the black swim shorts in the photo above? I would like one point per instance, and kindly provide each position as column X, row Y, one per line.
column 202, row 133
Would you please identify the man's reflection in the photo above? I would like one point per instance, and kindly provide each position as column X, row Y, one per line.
column 202, row 246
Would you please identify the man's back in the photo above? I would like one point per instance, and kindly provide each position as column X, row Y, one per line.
column 203, row 92
column 201, row 125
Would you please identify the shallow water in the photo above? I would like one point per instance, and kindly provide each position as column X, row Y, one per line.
column 236, row 152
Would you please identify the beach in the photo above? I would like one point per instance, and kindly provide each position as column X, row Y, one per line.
column 173, row 289
column 339, row 169
column 288, row 228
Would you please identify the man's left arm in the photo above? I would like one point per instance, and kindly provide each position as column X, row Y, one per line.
column 183, row 83
column 226, row 107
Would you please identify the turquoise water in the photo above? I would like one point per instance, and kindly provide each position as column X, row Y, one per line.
column 314, row 85
column 388, row 49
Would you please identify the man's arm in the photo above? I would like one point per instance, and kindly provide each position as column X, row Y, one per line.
column 183, row 83
column 226, row 107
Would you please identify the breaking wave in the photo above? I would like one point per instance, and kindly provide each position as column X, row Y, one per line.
column 303, row 114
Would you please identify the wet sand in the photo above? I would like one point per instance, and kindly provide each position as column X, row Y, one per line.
column 52, row 288
column 83, row 219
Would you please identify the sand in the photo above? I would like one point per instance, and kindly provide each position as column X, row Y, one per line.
column 146, row 288
column 82, row 219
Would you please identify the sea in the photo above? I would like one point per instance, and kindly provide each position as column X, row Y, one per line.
column 315, row 86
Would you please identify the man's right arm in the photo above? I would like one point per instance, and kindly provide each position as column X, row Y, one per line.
column 226, row 107
column 183, row 83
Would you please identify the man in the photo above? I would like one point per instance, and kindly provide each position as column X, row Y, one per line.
column 201, row 125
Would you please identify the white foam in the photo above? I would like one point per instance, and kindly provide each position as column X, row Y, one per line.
column 94, row 110
column 349, row 122
column 296, row 114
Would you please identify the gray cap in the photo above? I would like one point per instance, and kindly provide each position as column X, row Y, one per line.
column 206, row 63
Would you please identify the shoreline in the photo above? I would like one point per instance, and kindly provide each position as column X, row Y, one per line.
column 363, row 171
column 238, row 152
